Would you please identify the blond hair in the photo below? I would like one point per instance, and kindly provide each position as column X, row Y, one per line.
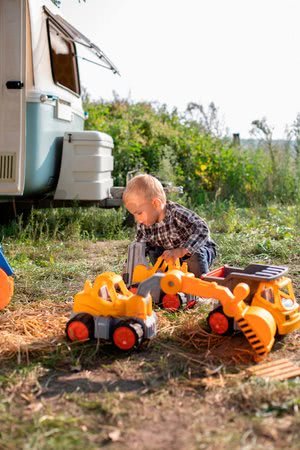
column 144, row 185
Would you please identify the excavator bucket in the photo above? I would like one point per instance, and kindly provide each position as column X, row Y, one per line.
column 259, row 328
column 6, row 289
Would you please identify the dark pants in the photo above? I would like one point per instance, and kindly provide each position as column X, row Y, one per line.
column 198, row 263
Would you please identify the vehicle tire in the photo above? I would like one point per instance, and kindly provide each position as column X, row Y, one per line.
column 81, row 327
column 127, row 335
column 219, row 323
column 171, row 302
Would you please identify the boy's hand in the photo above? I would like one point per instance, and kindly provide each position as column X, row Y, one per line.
column 175, row 253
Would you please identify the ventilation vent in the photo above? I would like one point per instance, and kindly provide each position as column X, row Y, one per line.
column 7, row 167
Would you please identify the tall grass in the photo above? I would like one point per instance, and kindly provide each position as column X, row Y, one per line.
column 264, row 233
column 67, row 224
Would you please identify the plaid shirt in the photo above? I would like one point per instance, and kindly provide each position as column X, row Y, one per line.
column 181, row 228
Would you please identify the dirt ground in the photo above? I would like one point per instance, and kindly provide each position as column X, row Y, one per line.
column 173, row 393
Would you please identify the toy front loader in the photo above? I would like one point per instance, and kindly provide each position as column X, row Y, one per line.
column 107, row 310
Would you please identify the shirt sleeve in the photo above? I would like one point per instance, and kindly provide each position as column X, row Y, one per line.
column 194, row 230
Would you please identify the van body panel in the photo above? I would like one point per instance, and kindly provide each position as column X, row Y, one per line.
column 41, row 104
column 43, row 166
column 12, row 101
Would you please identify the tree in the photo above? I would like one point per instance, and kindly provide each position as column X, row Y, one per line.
column 207, row 120
column 294, row 134
column 264, row 132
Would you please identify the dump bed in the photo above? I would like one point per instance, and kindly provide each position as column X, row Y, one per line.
column 253, row 274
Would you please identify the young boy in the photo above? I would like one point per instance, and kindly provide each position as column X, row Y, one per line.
column 169, row 229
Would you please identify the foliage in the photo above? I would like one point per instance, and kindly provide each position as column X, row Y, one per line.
column 188, row 149
column 142, row 136
column 58, row 2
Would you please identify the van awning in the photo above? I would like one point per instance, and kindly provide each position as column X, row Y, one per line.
column 78, row 38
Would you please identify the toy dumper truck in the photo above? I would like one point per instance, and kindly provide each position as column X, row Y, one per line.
column 270, row 289
column 107, row 310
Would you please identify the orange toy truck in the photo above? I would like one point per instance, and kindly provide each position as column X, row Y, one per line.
column 108, row 310
column 269, row 289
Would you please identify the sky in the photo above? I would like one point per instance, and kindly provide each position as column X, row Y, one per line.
column 243, row 55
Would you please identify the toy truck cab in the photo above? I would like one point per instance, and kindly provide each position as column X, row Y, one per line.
column 278, row 298
column 108, row 310
column 270, row 289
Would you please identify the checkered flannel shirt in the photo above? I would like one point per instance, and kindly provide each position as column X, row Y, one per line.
column 181, row 228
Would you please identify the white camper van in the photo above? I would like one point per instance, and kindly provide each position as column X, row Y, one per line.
column 44, row 152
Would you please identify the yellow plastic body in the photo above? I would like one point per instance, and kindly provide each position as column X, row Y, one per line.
column 142, row 272
column 272, row 296
column 6, row 289
column 110, row 297
column 257, row 324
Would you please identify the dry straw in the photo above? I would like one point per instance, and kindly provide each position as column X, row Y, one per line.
column 32, row 328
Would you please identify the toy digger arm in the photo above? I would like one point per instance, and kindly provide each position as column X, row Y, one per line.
column 175, row 281
column 146, row 286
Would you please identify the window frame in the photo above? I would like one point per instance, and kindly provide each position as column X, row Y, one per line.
column 73, row 47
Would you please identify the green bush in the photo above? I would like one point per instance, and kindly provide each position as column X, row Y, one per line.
column 172, row 146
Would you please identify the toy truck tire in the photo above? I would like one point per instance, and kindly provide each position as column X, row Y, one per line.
column 127, row 335
column 219, row 323
column 81, row 327
column 171, row 302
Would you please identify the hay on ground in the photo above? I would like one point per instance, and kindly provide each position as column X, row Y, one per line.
column 32, row 328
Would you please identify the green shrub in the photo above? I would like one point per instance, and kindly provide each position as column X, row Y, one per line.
column 170, row 145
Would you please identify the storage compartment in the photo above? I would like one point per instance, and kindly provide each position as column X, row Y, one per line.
column 86, row 166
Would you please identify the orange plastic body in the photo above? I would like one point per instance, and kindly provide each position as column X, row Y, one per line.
column 141, row 272
column 257, row 324
column 278, row 298
column 109, row 296
column 6, row 289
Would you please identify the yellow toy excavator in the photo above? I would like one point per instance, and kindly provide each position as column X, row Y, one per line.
column 257, row 324
column 269, row 289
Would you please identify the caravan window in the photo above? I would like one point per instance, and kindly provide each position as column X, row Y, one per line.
column 63, row 59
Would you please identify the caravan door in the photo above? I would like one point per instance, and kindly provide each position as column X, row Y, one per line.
column 12, row 96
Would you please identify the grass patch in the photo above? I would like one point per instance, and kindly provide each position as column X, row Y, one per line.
column 183, row 391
